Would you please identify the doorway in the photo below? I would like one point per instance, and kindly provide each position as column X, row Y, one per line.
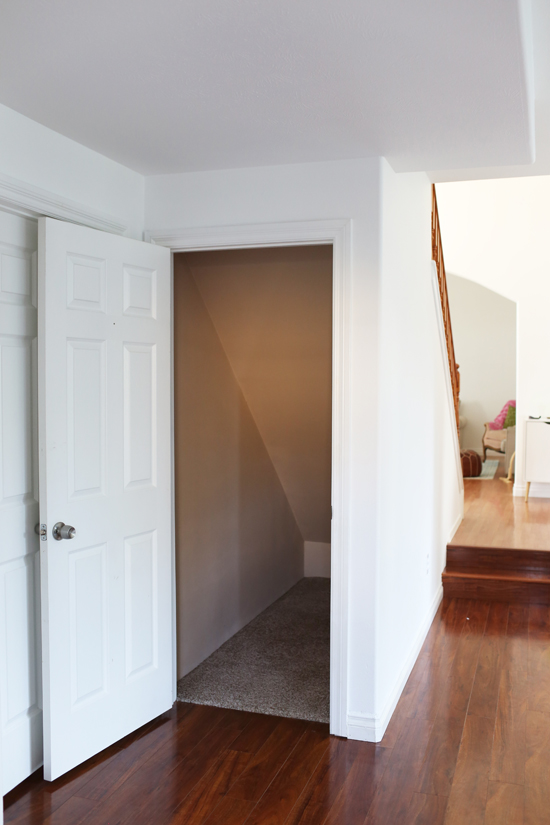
column 253, row 433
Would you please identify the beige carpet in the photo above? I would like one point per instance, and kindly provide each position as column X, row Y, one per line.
column 277, row 664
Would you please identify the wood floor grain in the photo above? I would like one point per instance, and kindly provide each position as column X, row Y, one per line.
column 493, row 517
column 468, row 744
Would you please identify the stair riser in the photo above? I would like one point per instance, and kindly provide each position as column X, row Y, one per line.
column 493, row 560
column 530, row 592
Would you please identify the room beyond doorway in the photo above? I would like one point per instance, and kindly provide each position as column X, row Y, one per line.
column 253, row 418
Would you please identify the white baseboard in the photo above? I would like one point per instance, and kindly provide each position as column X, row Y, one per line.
column 537, row 490
column 368, row 728
column 317, row 559
column 455, row 527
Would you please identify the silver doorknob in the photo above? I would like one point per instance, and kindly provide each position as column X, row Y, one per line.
column 63, row 531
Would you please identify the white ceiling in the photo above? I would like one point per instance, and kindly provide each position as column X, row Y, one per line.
column 180, row 85
column 541, row 166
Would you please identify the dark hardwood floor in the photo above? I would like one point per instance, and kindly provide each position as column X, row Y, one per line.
column 469, row 744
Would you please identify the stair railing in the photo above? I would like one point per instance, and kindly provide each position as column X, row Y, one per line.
column 437, row 255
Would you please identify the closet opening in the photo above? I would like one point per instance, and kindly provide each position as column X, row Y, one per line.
column 253, row 464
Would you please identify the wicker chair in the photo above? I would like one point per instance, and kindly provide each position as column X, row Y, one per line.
column 501, row 441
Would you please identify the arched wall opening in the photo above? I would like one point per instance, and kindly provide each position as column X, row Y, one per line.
column 485, row 339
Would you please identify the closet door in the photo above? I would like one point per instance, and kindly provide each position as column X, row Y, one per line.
column 105, row 501
column 20, row 699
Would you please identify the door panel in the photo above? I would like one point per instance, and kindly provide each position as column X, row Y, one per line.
column 20, row 688
column 104, row 421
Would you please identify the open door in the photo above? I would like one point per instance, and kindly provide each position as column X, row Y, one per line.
column 104, row 443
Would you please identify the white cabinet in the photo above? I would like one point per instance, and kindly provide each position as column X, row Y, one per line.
column 537, row 452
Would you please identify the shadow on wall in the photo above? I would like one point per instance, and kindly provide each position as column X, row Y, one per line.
column 484, row 332
column 238, row 545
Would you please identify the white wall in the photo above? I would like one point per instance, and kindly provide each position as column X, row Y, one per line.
column 272, row 310
column 484, row 333
column 495, row 232
column 41, row 157
column 404, row 496
column 420, row 502
column 317, row 559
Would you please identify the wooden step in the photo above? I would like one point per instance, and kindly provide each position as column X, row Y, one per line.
column 497, row 574
column 496, row 558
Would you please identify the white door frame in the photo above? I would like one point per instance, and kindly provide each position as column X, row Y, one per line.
column 304, row 233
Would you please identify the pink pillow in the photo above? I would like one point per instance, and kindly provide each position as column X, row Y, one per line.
column 498, row 423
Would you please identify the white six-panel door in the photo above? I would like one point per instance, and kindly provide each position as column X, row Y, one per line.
column 20, row 705
column 104, row 437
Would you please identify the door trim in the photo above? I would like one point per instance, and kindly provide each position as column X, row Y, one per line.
column 337, row 233
column 31, row 201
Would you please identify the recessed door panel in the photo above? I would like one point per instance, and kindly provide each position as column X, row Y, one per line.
column 140, row 292
column 86, row 285
column 86, row 417
column 15, row 275
column 16, row 417
column 88, row 606
column 141, row 602
column 140, row 403
column 19, row 588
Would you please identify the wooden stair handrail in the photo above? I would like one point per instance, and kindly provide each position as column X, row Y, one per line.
column 437, row 255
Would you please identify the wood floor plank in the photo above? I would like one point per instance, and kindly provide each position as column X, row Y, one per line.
column 268, row 760
column 484, row 697
column 327, row 780
column 355, row 799
column 163, row 781
column 281, row 795
column 394, row 793
column 456, row 692
column 72, row 812
column 35, row 800
column 432, row 688
column 423, row 691
column 231, row 811
column 509, row 753
column 539, row 658
column 494, row 517
column 210, row 789
column 516, row 651
column 436, row 775
column 468, row 796
column 504, row 804
column 127, row 760
column 407, row 705
column 190, row 768
column 427, row 809
column 537, row 769
column 257, row 731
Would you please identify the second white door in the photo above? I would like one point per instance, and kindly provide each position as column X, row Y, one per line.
column 104, row 438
